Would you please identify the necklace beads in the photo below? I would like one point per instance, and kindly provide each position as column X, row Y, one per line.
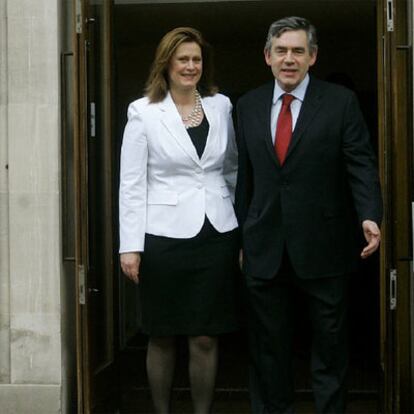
column 195, row 116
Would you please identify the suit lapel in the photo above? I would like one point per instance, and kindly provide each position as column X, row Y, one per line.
column 263, row 108
column 172, row 121
column 310, row 106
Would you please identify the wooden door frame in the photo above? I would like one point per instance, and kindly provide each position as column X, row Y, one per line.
column 395, row 74
column 88, row 384
column 80, row 173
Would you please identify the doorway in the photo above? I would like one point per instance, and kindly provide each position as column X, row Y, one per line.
column 347, row 32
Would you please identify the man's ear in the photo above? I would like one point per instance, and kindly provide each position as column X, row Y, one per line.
column 267, row 57
column 314, row 56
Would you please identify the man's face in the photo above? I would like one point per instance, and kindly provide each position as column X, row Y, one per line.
column 290, row 58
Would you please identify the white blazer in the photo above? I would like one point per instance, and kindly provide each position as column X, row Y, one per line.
column 165, row 188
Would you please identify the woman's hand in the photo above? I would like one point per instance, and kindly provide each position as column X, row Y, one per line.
column 130, row 265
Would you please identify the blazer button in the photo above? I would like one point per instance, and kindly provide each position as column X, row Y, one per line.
column 199, row 186
column 199, row 170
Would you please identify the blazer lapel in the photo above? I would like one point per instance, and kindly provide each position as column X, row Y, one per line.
column 310, row 106
column 214, row 127
column 172, row 121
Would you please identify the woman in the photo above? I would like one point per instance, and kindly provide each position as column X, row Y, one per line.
column 177, row 223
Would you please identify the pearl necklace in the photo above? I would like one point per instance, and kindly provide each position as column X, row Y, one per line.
column 194, row 118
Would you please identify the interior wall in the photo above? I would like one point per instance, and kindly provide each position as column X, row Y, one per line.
column 237, row 32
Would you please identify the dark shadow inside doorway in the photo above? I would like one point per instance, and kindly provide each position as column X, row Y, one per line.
column 237, row 30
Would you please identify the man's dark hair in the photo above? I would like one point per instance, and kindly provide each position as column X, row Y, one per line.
column 287, row 24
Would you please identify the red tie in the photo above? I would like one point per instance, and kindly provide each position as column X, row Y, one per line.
column 284, row 128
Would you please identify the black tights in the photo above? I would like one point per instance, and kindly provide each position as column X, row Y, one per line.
column 161, row 358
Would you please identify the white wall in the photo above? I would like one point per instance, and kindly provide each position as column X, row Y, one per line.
column 4, row 208
column 30, row 262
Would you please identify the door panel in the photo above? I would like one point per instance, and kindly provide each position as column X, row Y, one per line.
column 94, row 221
column 395, row 130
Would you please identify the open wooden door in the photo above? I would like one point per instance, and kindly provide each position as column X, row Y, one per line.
column 395, row 157
column 94, row 195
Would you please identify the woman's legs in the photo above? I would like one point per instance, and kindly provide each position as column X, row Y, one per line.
column 203, row 352
column 161, row 357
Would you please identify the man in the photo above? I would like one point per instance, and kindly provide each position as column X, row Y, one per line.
column 297, row 195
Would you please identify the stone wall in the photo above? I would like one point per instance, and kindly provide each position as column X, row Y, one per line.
column 4, row 207
column 30, row 253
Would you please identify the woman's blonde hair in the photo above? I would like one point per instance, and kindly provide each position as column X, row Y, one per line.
column 157, row 86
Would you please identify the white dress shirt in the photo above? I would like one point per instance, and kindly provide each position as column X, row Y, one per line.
column 299, row 94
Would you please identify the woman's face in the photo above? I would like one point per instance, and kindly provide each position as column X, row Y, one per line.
column 186, row 67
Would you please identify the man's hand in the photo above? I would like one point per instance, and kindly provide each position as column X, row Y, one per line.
column 130, row 265
column 372, row 235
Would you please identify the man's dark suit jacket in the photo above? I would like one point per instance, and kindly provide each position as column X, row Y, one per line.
column 307, row 205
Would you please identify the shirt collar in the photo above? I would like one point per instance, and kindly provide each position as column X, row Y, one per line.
column 298, row 92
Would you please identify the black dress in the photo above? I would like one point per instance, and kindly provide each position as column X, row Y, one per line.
column 189, row 286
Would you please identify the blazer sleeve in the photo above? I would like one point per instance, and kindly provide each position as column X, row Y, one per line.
column 361, row 165
column 133, row 184
column 230, row 160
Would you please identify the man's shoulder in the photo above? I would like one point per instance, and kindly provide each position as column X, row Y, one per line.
column 255, row 97
column 258, row 93
column 330, row 89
